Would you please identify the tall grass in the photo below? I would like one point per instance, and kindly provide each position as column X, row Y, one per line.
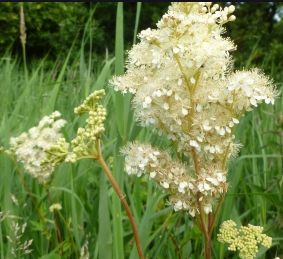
column 91, row 210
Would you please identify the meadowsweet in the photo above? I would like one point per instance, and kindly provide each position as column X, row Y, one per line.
column 87, row 144
column 43, row 147
column 34, row 148
column 185, row 189
column 84, row 144
column 184, row 87
column 245, row 239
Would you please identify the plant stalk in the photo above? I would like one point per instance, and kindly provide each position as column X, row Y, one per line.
column 205, row 227
column 207, row 247
column 23, row 37
column 122, row 198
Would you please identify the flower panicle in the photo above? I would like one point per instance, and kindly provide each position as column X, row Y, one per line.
column 183, row 85
column 185, row 189
column 32, row 148
column 43, row 147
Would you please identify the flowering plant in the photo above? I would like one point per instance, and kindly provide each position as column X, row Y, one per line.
column 43, row 147
column 181, row 76
column 33, row 148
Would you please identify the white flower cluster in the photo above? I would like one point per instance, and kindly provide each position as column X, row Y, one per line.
column 185, row 190
column 183, row 85
column 43, row 147
column 31, row 148
column 181, row 76
column 245, row 239
column 84, row 144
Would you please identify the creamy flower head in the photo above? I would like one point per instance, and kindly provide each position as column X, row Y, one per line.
column 252, row 86
column 182, row 81
column 175, row 177
column 181, row 76
column 245, row 239
column 31, row 148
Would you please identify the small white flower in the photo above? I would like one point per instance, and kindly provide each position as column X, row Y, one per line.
column 55, row 206
column 178, row 205
column 169, row 93
column 207, row 208
column 198, row 108
column 176, row 50
column 166, row 106
column 185, row 111
column 212, row 149
column 192, row 212
column 182, row 186
column 200, row 187
column 147, row 100
column 165, row 185
column 213, row 180
column 193, row 143
column 236, row 121
column 206, row 125
column 158, row 93
column 221, row 177
column 152, row 174
column 206, row 186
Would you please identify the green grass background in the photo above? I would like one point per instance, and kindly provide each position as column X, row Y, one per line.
column 91, row 210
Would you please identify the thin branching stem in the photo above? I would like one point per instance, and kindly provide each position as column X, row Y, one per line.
column 212, row 223
column 205, row 228
column 122, row 198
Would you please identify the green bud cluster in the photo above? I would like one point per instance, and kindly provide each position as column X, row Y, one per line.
column 56, row 154
column 84, row 144
column 90, row 103
column 244, row 239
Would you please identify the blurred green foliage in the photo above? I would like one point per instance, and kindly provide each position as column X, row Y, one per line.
column 258, row 31
column 53, row 27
